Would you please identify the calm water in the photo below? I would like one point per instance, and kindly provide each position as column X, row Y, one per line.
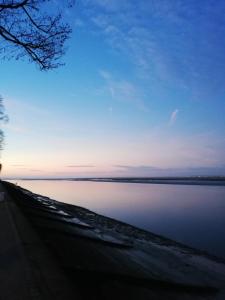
column 194, row 215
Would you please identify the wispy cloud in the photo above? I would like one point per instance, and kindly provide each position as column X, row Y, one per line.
column 80, row 166
column 177, row 42
column 18, row 165
column 78, row 23
column 134, row 167
column 17, row 129
column 173, row 116
column 112, row 5
column 142, row 170
column 16, row 105
column 122, row 90
column 21, row 112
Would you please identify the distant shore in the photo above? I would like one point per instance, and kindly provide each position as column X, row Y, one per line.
column 195, row 180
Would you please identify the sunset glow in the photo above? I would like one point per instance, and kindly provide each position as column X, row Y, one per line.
column 141, row 94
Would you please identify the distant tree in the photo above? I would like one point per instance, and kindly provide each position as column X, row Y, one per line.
column 35, row 29
column 3, row 118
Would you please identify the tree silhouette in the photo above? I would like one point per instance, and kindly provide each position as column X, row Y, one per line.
column 3, row 118
column 35, row 29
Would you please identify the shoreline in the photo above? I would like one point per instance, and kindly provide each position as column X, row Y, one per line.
column 198, row 180
column 112, row 258
column 107, row 223
column 152, row 202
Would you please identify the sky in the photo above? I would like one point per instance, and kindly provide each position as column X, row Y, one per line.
column 141, row 94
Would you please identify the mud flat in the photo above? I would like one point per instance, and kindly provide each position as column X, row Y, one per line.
column 102, row 258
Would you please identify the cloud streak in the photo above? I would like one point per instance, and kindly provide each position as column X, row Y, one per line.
column 80, row 166
column 176, row 42
column 141, row 170
column 122, row 90
column 173, row 116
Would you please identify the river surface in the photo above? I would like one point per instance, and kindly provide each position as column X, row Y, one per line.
column 191, row 214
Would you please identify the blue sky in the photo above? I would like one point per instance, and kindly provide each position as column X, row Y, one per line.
column 141, row 94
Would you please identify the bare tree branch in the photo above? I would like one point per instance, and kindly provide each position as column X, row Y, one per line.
column 29, row 29
column 13, row 5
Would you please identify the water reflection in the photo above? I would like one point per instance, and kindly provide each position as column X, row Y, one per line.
column 194, row 215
